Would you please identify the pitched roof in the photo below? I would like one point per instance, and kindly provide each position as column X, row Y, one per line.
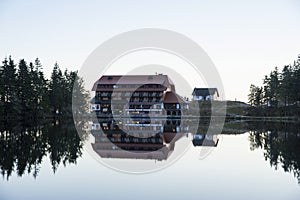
column 134, row 79
column 172, row 97
column 205, row 91
column 205, row 140
column 93, row 100
column 172, row 137
column 160, row 154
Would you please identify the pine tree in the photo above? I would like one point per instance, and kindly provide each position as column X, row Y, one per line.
column 56, row 91
column 256, row 95
column 69, row 79
column 274, row 87
column 267, row 91
column 296, row 80
column 40, row 89
column 251, row 95
column 2, row 90
column 9, row 96
column 285, row 89
column 24, row 89
column 79, row 98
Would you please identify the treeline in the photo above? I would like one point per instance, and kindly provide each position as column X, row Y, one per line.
column 26, row 94
column 279, row 88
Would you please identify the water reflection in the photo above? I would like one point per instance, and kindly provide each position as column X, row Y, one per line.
column 205, row 140
column 280, row 143
column 134, row 145
column 143, row 138
column 24, row 147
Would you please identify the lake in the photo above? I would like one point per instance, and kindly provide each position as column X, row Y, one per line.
column 248, row 160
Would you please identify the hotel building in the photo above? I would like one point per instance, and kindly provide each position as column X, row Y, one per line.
column 136, row 96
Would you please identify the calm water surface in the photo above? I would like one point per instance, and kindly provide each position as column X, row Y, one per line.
column 250, row 161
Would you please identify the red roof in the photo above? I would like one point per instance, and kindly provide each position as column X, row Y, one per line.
column 134, row 79
column 172, row 97
column 172, row 137
column 161, row 154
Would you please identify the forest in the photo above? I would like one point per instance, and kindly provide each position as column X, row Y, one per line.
column 279, row 94
column 278, row 88
column 26, row 93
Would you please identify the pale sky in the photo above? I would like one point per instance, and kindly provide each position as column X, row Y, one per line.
column 244, row 39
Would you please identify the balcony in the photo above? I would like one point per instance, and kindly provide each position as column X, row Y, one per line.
column 104, row 94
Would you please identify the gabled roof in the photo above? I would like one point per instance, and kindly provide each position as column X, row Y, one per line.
column 172, row 97
column 161, row 154
column 93, row 100
column 172, row 137
column 205, row 140
column 134, row 79
column 205, row 91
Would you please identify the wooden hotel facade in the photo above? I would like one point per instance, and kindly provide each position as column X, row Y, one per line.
column 136, row 96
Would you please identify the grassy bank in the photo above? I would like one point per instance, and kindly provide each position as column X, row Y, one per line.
column 242, row 111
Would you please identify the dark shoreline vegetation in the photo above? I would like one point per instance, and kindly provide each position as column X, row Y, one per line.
column 279, row 95
column 27, row 95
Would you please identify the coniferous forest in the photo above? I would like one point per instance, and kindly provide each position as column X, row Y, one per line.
column 279, row 88
column 36, row 116
column 26, row 94
column 279, row 93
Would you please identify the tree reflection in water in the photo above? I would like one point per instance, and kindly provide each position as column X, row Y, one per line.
column 24, row 147
column 280, row 143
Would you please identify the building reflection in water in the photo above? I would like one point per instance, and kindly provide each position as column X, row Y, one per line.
column 23, row 148
column 205, row 140
column 137, row 138
column 143, row 138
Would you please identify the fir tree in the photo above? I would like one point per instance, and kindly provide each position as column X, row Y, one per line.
column 9, row 96
column 56, row 91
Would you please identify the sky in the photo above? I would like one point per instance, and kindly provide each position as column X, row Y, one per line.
column 244, row 39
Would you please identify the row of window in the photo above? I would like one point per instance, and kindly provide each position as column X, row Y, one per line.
column 128, row 94
column 109, row 86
